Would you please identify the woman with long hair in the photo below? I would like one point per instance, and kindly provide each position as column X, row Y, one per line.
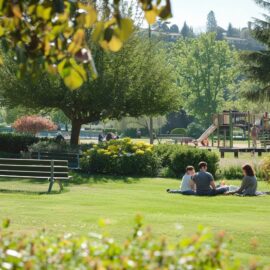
column 249, row 182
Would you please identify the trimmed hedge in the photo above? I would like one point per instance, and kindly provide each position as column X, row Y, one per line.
column 14, row 143
column 121, row 157
column 177, row 157
column 142, row 251
column 179, row 131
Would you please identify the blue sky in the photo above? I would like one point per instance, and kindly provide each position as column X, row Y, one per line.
column 238, row 12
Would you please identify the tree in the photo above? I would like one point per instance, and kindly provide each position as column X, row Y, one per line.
column 205, row 68
column 185, row 30
column 178, row 119
column 59, row 118
column 134, row 82
column 10, row 115
column 211, row 25
column 174, row 29
column 230, row 30
column 165, row 28
column 257, row 64
column 33, row 124
column 52, row 36
column 233, row 32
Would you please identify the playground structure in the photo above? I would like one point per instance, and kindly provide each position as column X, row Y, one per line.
column 225, row 123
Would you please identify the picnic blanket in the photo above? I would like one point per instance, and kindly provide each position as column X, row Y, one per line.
column 232, row 188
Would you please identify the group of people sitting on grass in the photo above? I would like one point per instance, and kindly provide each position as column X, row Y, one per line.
column 202, row 183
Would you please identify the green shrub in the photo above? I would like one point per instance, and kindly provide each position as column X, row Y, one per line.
column 192, row 156
column 132, row 132
column 110, row 130
column 235, row 172
column 121, row 157
column 53, row 147
column 177, row 157
column 14, row 143
column 232, row 173
column 164, row 152
column 142, row 251
column 179, row 131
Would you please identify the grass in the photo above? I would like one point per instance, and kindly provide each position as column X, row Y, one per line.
column 86, row 200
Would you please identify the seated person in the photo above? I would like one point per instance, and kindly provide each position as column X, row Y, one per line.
column 249, row 183
column 205, row 184
column 187, row 186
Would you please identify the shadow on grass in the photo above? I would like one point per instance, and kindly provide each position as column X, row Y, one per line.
column 25, row 182
column 79, row 178
column 28, row 192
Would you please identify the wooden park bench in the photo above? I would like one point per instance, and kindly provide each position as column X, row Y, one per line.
column 236, row 151
column 50, row 170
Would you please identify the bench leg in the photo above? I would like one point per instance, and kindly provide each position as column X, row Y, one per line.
column 50, row 185
column 222, row 154
column 59, row 182
column 259, row 153
column 236, row 154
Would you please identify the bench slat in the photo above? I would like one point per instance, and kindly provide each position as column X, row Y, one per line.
column 33, row 168
column 33, row 173
column 34, row 177
column 33, row 162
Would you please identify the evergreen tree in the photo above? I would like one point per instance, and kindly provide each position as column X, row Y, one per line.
column 211, row 25
column 185, row 31
column 230, row 30
column 257, row 64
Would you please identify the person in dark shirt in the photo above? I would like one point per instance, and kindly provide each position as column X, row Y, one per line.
column 59, row 137
column 205, row 184
column 100, row 138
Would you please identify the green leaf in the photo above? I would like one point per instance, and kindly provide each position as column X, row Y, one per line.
column 6, row 223
column 2, row 31
column 98, row 31
column 61, row 67
column 79, row 69
column 74, row 80
column 125, row 30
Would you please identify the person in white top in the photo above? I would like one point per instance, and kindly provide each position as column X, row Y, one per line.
column 187, row 186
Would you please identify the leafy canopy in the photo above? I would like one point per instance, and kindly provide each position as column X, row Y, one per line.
column 51, row 35
column 135, row 82
column 205, row 67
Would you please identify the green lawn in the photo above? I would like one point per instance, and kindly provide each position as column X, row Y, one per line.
column 84, row 202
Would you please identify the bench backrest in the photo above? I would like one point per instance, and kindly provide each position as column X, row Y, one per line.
column 72, row 158
column 34, row 168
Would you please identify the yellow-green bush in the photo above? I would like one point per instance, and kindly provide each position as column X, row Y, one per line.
column 121, row 157
column 142, row 251
column 265, row 168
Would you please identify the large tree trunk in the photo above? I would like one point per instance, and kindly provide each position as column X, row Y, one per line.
column 75, row 132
